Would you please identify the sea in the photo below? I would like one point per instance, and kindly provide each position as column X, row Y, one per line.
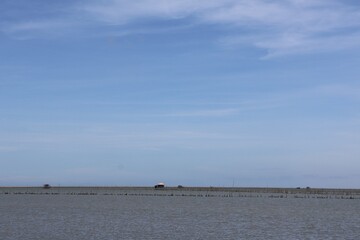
column 151, row 216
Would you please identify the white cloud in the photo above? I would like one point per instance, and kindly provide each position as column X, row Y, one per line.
column 121, row 11
column 44, row 28
column 205, row 113
column 8, row 149
column 33, row 25
column 280, row 27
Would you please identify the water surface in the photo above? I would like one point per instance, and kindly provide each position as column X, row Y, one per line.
column 175, row 217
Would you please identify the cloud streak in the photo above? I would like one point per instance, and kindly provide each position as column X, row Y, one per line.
column 205, row 113
column 280, row 27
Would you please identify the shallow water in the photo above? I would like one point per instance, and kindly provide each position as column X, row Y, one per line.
column 175, row 217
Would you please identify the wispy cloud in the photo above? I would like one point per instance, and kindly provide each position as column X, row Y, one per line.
column 8, row 149
column 34, row 25
column 44, row 28
column 205, row 113
column 280, row 27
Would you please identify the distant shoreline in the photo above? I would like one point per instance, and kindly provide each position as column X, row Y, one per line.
column 263, row 192
column 198, row 188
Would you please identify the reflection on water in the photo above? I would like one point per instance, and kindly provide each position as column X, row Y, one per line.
column 175, row 217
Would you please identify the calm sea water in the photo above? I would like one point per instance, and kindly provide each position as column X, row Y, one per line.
column 29, row 217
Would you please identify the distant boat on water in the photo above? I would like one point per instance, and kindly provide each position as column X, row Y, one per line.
column 160, row 185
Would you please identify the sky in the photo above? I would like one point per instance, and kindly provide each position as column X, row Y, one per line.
column 261, row 93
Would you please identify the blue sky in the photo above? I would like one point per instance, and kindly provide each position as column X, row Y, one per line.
column 210, row 93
